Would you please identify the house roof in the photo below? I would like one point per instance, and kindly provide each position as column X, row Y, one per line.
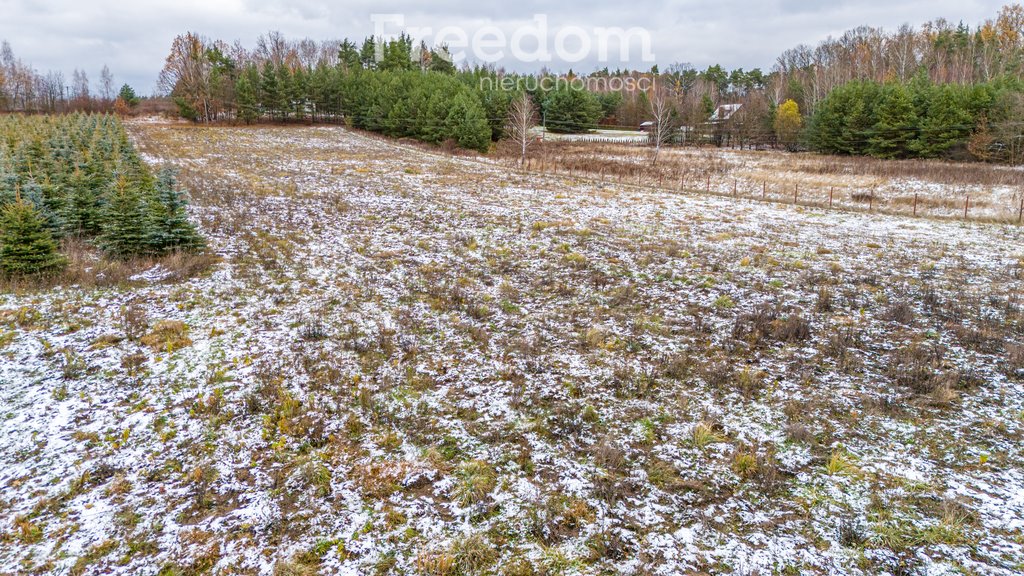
column 724, row 112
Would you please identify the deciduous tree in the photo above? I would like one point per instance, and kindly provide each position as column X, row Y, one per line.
column 522, row 117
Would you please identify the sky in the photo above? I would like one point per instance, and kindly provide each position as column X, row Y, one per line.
column 133, row 38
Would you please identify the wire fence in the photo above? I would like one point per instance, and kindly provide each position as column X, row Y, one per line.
column 977, row 207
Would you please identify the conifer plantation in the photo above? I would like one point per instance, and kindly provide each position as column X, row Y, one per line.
column 79, row 176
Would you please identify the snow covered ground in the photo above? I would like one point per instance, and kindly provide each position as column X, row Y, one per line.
column 935, row 189
column 407, row 363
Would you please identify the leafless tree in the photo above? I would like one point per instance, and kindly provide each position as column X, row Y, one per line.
column 522, row 117
column 273, row 46
column 662, row 120
column 106, row 85
column 80, row 88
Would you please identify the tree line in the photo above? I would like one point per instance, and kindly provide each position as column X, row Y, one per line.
column 24, row 89
column 920, row 119
column 393, row 87
column 964, row 84
column 78, row 175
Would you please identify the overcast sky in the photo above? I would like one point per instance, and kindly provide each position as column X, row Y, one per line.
column 133, row 37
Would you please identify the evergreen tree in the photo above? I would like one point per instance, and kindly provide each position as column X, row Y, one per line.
column 348, row 56
column 397, row 54
column 896, row 129
column 284, row 91
column 81, row 206
column 298, row 92
column 441, row 60
column 946, row 124
column 171, row 229
column 8, row 182
column 368, row 54
column 571, row 111
column 127, row 228
column 247, row 104
column 467, row 124
column 26, row 247
column 128, row 96
column 270, row 89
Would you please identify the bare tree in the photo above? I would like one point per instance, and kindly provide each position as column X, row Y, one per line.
column 80, row 88
column 662, row 121
column 522, row 117
column 106, row 85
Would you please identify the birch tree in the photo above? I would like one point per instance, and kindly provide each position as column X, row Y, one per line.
column 522, row 117
column 662, row 120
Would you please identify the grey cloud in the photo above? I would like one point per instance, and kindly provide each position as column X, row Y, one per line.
column 133, row 38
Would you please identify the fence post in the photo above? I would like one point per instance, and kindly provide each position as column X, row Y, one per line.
column 764, row 189
column 1020, row 213
column 709, row 184
column 796, row 193
column 680, row 182
column 831, row 191
column 967, row 205
column 871, row 200
column 915, row 204
column 733, row 187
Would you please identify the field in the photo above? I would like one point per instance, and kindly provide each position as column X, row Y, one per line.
column 411, row 363
column 920, row 188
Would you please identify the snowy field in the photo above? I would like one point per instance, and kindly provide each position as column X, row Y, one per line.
column 406, row 363
column 923, row 188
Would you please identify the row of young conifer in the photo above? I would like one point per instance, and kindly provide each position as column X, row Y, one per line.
column 79, row 176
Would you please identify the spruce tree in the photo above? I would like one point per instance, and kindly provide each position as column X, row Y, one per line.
column 171, row 229
column 82, row 213
column 8, row 182
column 26, row 247
column 127, row 227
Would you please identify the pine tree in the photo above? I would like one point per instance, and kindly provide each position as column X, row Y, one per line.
column 247, row 104
column 895, row 131
column 127, row 227
column 571, row 111
column 26, row 247
column 947, row 123
column 271, row 90
column 171, row 227
column 467, row 124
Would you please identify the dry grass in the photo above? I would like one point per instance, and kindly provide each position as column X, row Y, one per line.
column 88, row 268
column 930, row 188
